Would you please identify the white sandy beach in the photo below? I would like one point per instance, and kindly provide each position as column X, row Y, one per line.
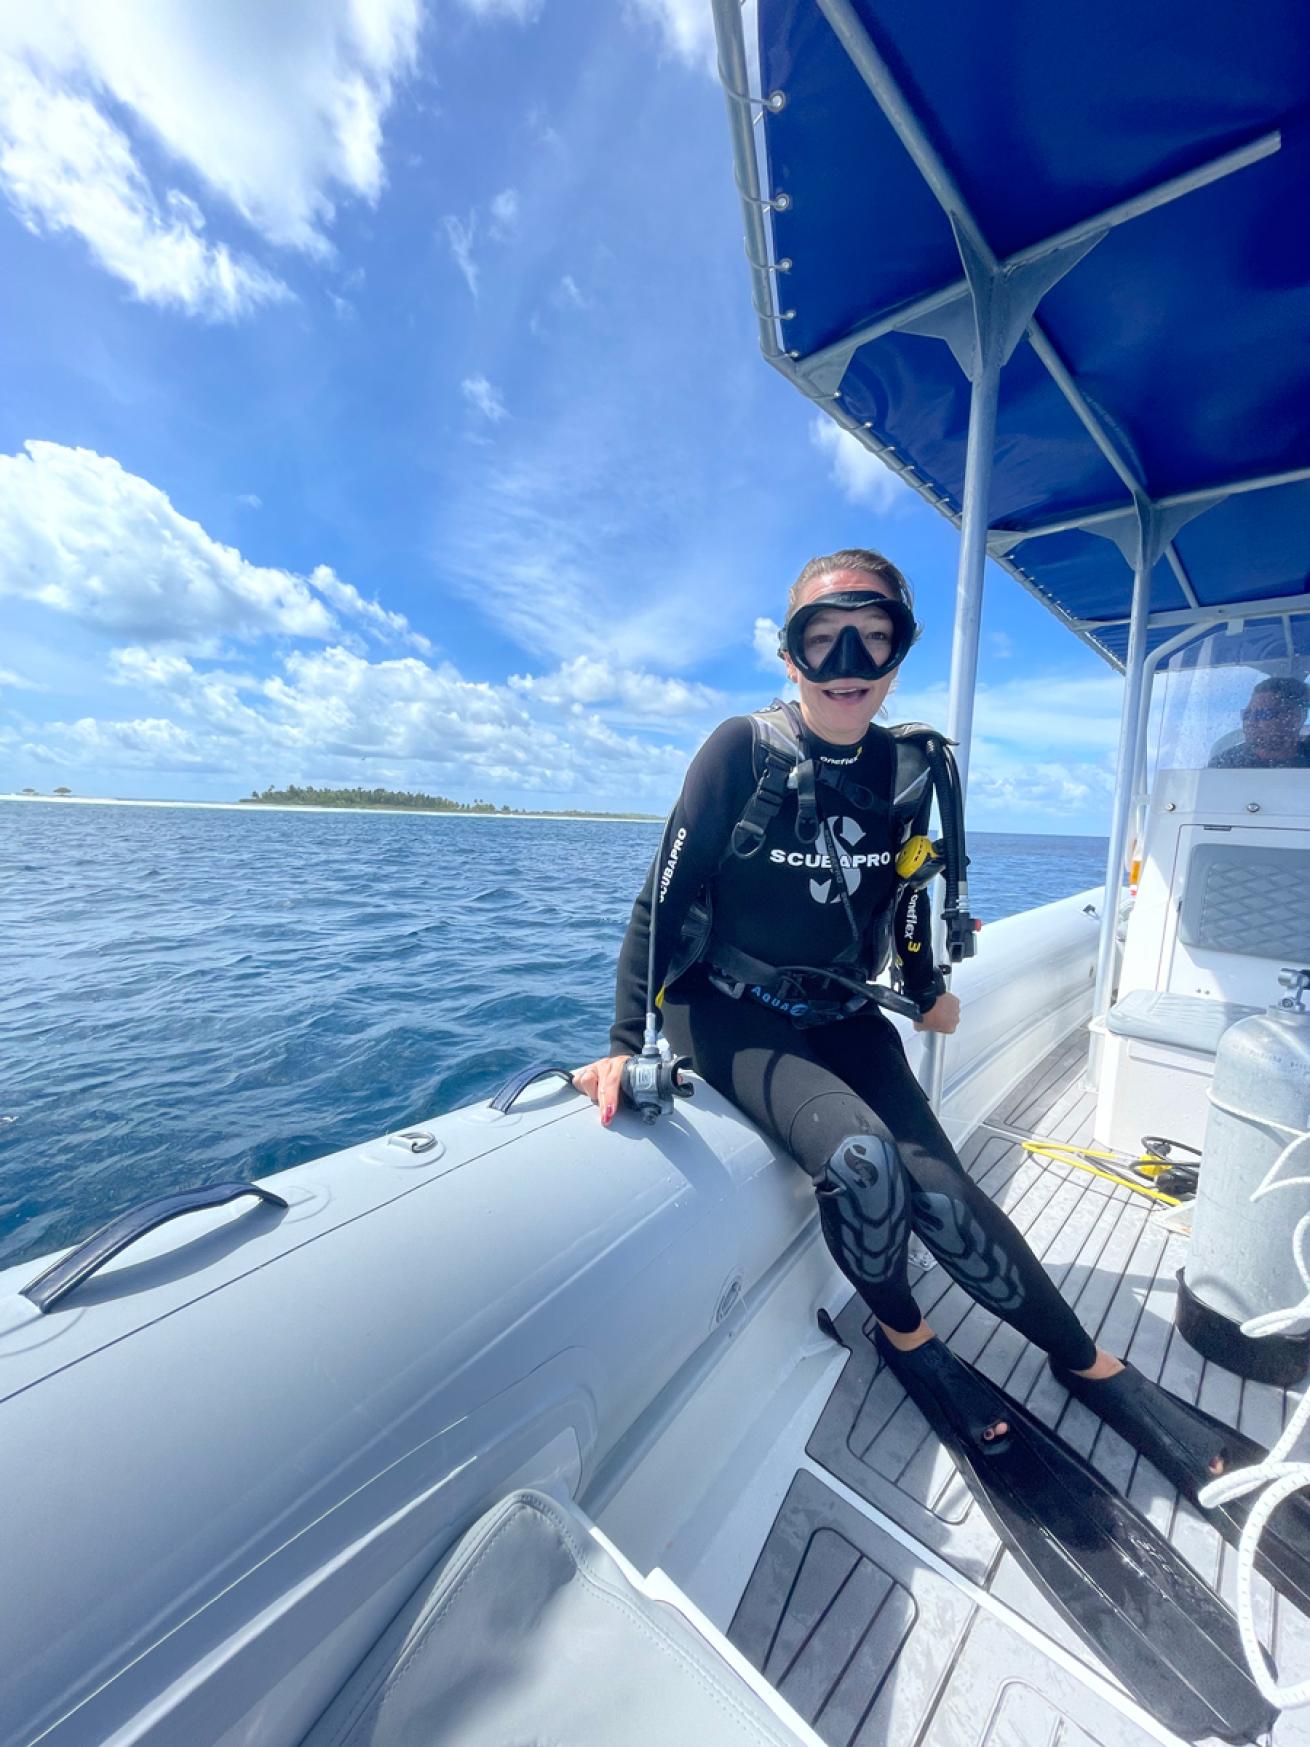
column 287, row 807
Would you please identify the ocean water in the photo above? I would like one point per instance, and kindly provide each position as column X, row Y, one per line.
column 194, row 994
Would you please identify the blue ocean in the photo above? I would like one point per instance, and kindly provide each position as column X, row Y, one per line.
column 197, row 994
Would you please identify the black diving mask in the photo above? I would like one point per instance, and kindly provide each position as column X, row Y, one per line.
column 849, row 656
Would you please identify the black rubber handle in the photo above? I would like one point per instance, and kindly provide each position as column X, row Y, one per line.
column 58, row 1281
column 882, row 996
column 504, row 1096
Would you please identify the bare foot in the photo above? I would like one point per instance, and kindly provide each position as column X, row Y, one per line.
column 906, row 1343
column 919, row 1337
column 1106, row 1365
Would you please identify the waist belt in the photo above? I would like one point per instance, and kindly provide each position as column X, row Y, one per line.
column 807, row 994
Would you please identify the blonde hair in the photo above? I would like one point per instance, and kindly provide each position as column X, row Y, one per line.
column 854, row 558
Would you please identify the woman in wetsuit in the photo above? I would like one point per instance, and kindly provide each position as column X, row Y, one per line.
column 839, row 1095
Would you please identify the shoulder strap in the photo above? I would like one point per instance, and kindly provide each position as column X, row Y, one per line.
column 912, row 774
column 776, row 752
column 781, row 763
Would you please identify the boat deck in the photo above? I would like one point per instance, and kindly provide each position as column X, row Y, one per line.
column 855, row 1571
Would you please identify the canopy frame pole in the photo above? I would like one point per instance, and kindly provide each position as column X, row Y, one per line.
column 1206, row 618
column 734, row 76
column 852, row 33
column 838, row 353
column 1154, row 526
column 1148, row 550
column 757, row 209
column 982, row 336
column 1143, row 541
column 1206, row 497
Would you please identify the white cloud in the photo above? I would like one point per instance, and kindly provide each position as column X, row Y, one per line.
column 484, row 398
column 587, row 681
column 764, row 638
column 146, row 743
column 997, row 792
column 686, row 29
column 153, row 667
column 348, row 600
column 557, row 546
column 14, row 682
column 81, row 535
column 65, row 167
column 249, row 500
column 1044, row 744
column 857, row 471
column 1002, row 644
column 334, row 715
column 522, row 10
column 1035, row 716
column 569, row 295
column 460, row 235
column 542, row 131
column 276, row 109
column 504, row 211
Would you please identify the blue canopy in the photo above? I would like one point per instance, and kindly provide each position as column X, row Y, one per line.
column 1156, row 153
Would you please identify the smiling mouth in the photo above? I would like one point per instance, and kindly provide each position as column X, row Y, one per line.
column 846, row 692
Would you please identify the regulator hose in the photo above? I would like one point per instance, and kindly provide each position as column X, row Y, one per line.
column 959, row 925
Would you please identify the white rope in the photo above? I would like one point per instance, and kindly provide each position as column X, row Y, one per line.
column 1278, row 1477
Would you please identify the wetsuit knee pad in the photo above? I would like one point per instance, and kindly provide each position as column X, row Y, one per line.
column 867, row 1162
column 958, row 1236
column 864, row 1206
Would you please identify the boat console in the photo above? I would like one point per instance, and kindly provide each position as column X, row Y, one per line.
column 1222, row 908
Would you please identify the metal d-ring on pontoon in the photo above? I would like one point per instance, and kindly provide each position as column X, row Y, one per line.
column 982, row 316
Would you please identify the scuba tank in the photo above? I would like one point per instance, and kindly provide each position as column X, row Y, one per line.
column 1241, row 1263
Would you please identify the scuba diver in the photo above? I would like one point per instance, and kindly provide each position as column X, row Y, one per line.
column 792, row 866
column 776, row 896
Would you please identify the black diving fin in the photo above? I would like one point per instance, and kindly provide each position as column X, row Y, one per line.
column 1181, row 1441
column 1137, row 1603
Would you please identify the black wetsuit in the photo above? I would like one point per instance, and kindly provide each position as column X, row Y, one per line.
column 839, row 1097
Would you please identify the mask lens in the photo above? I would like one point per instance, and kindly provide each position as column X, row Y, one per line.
column 824, row 648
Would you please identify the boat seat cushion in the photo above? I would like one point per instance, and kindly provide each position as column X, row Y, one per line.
column 1185, row 1021
column 530, row 1633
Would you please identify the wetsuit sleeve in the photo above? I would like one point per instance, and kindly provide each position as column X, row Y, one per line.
column 719, row 781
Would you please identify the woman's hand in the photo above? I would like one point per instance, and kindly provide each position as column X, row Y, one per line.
column 942, row 1016
column 602, row 1081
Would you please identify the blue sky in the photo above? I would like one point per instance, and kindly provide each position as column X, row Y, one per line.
column 382, row 404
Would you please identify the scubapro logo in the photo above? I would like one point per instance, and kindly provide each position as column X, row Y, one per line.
column 672, row 862
column 852, row 861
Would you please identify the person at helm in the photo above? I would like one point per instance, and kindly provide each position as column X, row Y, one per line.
column 805, row 875
column 1273, row 730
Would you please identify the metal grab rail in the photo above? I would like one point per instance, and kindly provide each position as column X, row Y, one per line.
column 71, row 1270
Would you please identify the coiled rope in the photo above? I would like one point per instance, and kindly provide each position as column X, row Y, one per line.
column 1278, row 1476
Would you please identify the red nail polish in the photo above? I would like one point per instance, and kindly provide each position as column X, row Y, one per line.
column 609, row 1113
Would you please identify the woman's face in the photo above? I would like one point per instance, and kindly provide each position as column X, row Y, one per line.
column 841, row 709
